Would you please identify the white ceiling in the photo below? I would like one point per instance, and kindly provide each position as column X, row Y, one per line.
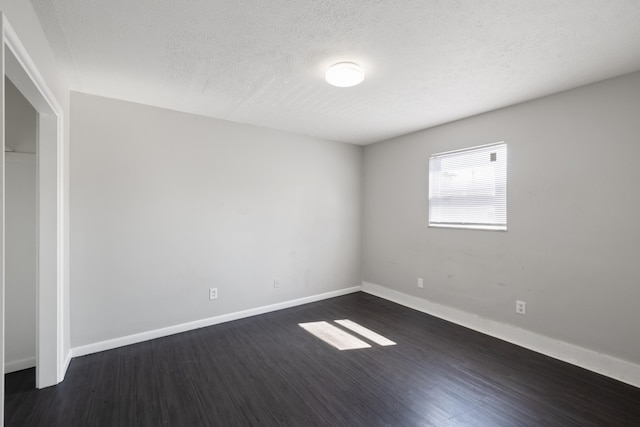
column 262, row 62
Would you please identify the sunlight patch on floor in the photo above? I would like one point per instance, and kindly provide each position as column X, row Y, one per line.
column 343, row 340
column 367, row 333
column 334, row 336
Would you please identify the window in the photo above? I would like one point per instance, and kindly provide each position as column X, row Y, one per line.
column 468, row 188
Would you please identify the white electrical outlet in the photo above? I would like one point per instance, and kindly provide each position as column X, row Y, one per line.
column 276, row 283
column 213, row 293
column 420, row 282
column 521, row 307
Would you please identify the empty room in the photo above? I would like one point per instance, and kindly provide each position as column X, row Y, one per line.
column 320, row 213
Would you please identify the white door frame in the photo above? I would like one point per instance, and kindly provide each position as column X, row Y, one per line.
column 17, row 65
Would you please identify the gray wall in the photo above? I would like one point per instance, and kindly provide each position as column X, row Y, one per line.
column 21, row 118
column 166, row 205
column 20, row 260
column 571, row 251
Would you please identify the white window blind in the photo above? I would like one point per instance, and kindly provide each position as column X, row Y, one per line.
column 468, row 188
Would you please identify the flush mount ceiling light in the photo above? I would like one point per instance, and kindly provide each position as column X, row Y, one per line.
column 344, row 74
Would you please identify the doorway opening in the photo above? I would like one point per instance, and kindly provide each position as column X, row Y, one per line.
column 20, row 237
column 50, row 358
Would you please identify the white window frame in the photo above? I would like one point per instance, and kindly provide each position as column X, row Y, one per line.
column 437, row 207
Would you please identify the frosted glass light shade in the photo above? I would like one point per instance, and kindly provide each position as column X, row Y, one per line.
column 344, row 74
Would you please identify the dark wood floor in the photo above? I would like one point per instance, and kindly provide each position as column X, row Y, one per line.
column 267, row 371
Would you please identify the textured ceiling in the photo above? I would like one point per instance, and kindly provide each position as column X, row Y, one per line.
column 262, row 62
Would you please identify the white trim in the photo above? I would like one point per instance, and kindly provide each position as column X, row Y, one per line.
column 2, row 227
column 462, row 150
column 67, row 361
column 60, row 254
column 601, row 363
column 14, row 44
column 19, row 365
column 184, row 327
column 468, row 226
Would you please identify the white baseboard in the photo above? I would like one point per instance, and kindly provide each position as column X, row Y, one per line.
column 65, row 366
column 19, row 365
column 184, row 327
column 604, row 364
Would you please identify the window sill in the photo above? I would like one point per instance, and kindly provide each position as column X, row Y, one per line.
column 471, row 226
